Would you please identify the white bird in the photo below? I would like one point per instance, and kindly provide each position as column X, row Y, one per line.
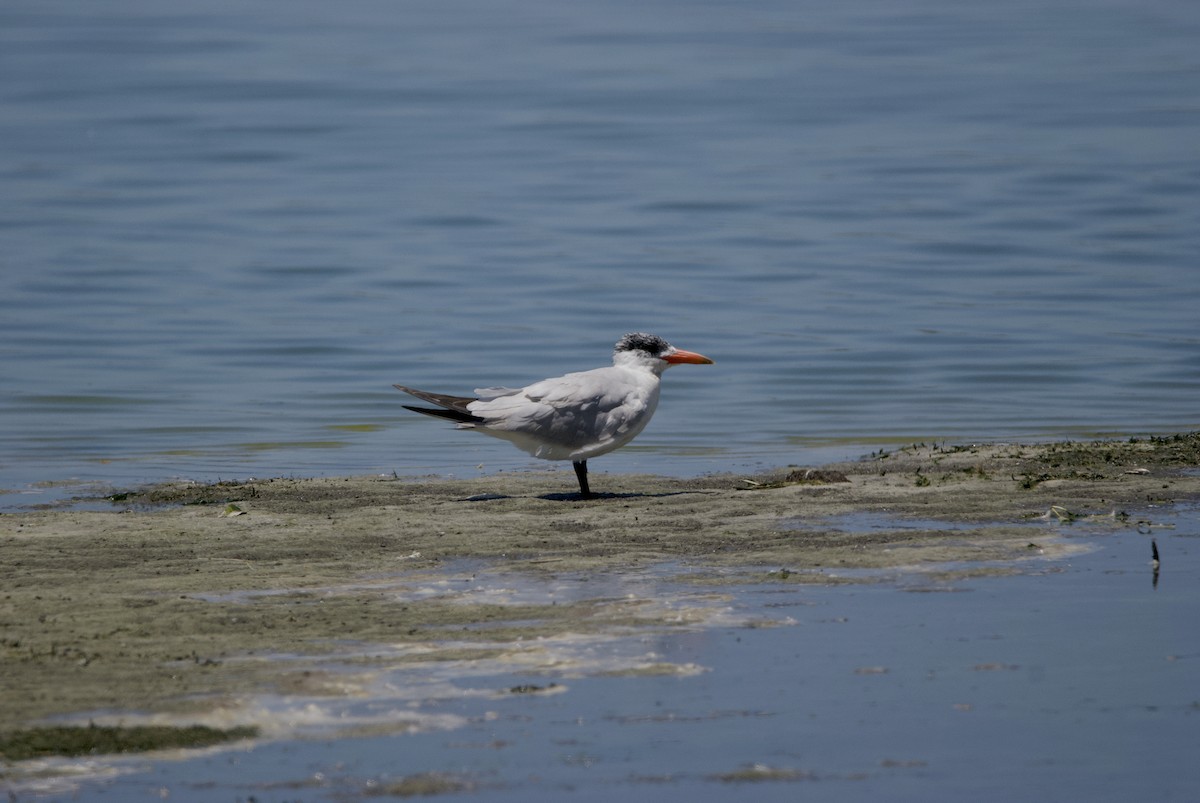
column 572, row 417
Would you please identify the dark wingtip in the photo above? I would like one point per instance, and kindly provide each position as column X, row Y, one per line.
column 450, row 415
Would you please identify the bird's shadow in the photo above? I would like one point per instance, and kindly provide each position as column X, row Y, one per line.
column 575, row 497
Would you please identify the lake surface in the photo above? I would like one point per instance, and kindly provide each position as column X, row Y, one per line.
column 226, row 230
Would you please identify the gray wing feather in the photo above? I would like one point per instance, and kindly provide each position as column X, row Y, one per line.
column 456, row 403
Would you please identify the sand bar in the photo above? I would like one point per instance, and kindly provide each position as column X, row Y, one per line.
column 174, row 602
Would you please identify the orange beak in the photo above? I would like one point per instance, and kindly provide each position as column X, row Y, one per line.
column 680, row 356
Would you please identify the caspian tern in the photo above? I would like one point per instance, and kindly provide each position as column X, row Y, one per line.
column 572, row 417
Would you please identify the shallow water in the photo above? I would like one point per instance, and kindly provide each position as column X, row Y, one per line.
column 228, row 230
column 1073, row 679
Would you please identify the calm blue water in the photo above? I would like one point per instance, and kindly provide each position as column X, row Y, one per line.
column 227, row 229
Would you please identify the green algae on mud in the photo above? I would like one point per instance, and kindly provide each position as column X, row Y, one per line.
column 64, row 740
column 165, row 607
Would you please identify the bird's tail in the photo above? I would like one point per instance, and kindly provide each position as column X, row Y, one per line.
column 453, row 408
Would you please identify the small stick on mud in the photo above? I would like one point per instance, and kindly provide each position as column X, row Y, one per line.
column 1154, row 561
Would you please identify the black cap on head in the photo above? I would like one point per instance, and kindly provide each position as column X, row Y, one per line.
column 653, row 345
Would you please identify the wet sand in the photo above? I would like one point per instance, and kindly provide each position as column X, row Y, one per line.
column 173, row 602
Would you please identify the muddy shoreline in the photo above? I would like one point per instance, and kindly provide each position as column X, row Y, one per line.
column 170, row 605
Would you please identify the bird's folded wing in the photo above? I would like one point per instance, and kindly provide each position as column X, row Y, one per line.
column 487, row 394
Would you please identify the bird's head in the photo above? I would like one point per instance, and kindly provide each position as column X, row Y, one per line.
column 655, row 351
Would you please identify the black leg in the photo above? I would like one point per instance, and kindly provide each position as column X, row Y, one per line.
column 581, row 473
